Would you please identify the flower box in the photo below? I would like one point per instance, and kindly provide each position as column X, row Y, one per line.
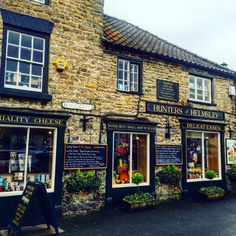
column 139, row 205
column 139, row 201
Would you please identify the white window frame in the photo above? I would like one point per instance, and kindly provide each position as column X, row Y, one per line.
column 204, row 89
column 39, row 1
column 31, row 62
column 130, row 76
column 147, row 183
column 49, row 190
column 203, row 161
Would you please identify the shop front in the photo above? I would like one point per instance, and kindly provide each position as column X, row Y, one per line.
column 203, row 145
column 31, row 149
column 131, row 148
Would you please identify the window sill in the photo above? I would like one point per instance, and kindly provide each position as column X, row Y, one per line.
column 40, row 96
column 202, row 180
column 18, row 193
column 132, row 93
column 202, row 103
column 130, row 185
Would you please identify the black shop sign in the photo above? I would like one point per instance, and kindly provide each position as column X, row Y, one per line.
column 168, row 155
column 184, row 111
column 85, row 156
column 167, row 90
column 26, row 204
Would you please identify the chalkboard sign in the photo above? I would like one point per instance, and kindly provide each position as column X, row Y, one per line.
column 168, row 155
column 32, row 190
column 167, row 90
column 85, row 156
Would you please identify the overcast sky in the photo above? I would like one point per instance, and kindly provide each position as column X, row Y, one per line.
column 204, row 27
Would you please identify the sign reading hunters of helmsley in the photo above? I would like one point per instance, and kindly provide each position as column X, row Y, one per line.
column 167, row 109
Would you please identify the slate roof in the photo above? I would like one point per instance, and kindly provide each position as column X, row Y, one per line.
column 121, row 33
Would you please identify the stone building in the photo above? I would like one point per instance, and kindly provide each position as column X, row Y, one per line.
column 150, row 102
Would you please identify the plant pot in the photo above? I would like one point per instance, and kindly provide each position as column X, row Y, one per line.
column 139, row 205
column 212, row 197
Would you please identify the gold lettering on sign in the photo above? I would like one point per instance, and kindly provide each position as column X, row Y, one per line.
column 203, row 127
column 168, row 109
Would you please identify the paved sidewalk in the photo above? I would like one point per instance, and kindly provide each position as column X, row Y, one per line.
column 175, row 218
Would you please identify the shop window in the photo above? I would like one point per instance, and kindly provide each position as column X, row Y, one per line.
column 25, row 56
column 26, row 154
column 200, row 89
column 130, row 155
column 203, row 153
column 129, row 76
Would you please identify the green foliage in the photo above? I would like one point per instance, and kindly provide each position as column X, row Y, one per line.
column 139, row 197
column 169, row 175
column 83, row 181
column 232, row 172
column 137, row 178
column 210, row 174
column 212, row 190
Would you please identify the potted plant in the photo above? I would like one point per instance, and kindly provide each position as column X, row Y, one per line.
column 169, row 175
column 138, row 200
column 211, row 192
column 231, row 173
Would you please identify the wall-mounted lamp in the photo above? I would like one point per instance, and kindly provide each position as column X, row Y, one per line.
column 168, row 127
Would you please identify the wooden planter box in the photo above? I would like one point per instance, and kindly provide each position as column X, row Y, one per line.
column 212, row 197
column 139, row 205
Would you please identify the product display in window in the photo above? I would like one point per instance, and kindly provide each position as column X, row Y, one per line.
column 202, row 154
column 18, row 165
column 130, row 156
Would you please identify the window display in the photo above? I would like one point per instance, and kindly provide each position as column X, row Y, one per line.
column 26, row 154
column 130, row 155
column 203, row 154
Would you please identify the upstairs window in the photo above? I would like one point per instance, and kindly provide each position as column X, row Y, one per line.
column 200, row 89
column 129, row 76
column 24, row 61
column 25, row 56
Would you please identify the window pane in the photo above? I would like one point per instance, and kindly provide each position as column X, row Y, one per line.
column 11, row 65
column 38, row 56
column 12, row 51
column 13, row 38
column 199, row 83
column 120, row 85
column 41, row 156
column 26, row 41
column 207, row 85
column 38, row 44
column 25, row 54
column 211, row 152
column 121, row 153
column 139, row 155
column 207, row 96
column 120, row 65
column 120, row 75
column 126, row 65
column 24, row 80
column 36, row 82
column 192, row 83
column 24, row 67
column 36, row 70
column 12, row 158
column 194, row 155
column 11, row 78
